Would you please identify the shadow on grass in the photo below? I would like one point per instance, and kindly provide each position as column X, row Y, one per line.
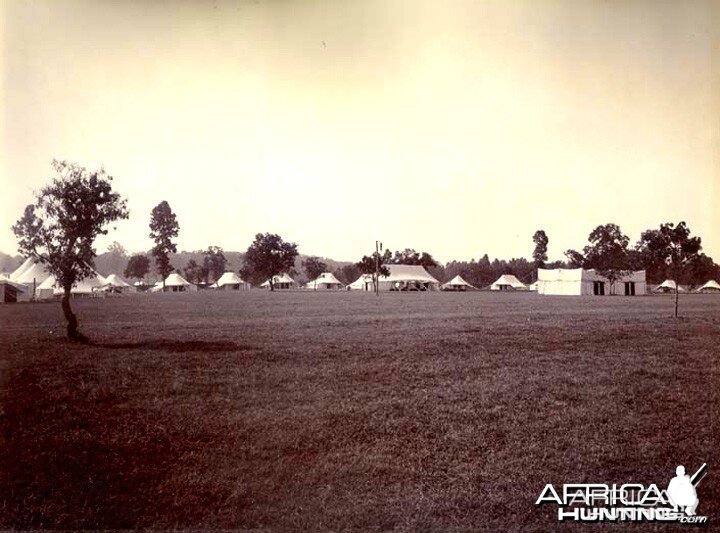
column 70, row 461
column 176, row 346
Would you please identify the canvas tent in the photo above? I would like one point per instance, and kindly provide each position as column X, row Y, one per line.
column 283, row 281
column 90, row 286
column 508, row 282
column 22, row 268
column 174, row 283
column 114, row 283
column 326, row 280
column 457, row 284
column 711, row 286
column 587, row 282
column 11, row 292
column 363, row 283
column 667, row 286
column 35, row 273
column 230, row 281
column 407, row 278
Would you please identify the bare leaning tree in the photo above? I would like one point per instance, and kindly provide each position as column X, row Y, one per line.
column 59, row 229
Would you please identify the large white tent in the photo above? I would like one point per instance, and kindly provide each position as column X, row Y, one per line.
column 326, row 280
column 668, row 286
column 22, row 268
column 407, row 278
column 230, row 281
column 283, row 281
column 583, row 282
column 114, row 283
column 174, row 283
column 508, row 282
column 363, row 283
column 457, row 284
column 711, row 286
column 35, row 273
column 91, row 285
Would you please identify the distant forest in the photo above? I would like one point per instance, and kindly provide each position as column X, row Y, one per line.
column 481, row 272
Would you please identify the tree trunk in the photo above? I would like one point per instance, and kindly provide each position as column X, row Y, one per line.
column 272, row 285
column 72, row 322
column 677, row 292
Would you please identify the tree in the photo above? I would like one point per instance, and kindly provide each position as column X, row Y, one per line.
column 410, row 257
column 60, row 228
column 163, row 228
column 214, row 262
column 313, row 267
column 138, row 267
column 195, row 273
column 575, row 258
column 608, row 253
column 673, row 245
column 375, row 265
column 117, row 249
column 540, row 252
column 269, row 256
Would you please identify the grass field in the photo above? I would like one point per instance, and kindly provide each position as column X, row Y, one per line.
column 315, row 411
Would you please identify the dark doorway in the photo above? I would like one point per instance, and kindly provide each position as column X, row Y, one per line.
column 599, row 288
column 629, row 288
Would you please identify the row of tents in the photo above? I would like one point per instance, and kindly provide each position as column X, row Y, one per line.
column 31, row 280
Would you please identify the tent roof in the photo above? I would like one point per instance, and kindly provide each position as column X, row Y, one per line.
column 325, row 277
column 712, row 284
column 36, row 271
column 361, row 281
column 22, row 268
column 116, row 281
column 457, row 281
column 509, row 280
column 175, row 280
column 87, row 285
column 668, row 284
column 228, row 278
column 408, row 273
column 282, row 278
column 18, row 286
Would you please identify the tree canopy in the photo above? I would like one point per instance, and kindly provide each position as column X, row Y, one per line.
column 163, row 228
column 269, row 256
column 60, row 228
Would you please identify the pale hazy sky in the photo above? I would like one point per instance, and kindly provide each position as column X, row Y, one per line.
column 453, row 127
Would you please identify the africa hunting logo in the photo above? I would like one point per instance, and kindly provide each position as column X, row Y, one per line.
column 631, row 502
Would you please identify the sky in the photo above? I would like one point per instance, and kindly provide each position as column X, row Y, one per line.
column 457, row 128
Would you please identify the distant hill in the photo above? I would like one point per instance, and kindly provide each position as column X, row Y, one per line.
column 8, row 263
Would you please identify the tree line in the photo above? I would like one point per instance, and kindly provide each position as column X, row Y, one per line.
column 59, row 230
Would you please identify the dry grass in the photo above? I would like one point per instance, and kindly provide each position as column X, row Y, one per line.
column 313, row 411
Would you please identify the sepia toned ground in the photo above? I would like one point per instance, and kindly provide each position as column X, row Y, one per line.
column 342, row 411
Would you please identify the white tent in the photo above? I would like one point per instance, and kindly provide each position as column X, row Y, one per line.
column 230, row 281
column 283, row 281
column 35, row 273
column 508, row 282
column 710, row 286
column 584, row 282
column 407, row 278
column 114, row 283
column 174, row 283
column 667, row 286
column 22, row 268
column 363, row 283
column 457, row 284
column 326, row 280
column 91, row 285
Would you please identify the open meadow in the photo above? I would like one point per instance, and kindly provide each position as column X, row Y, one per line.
column 342, row 411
